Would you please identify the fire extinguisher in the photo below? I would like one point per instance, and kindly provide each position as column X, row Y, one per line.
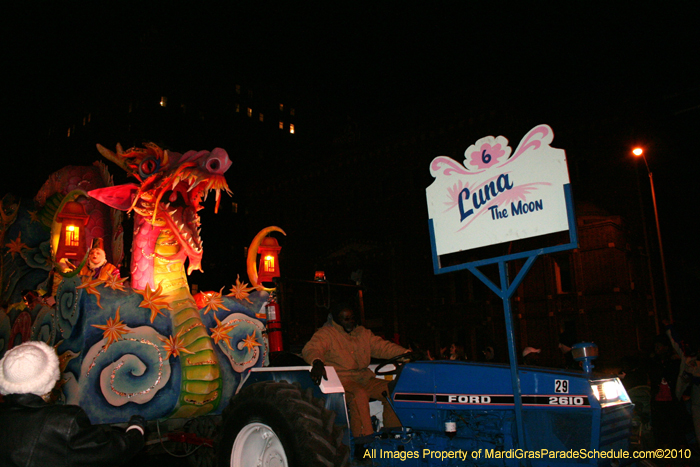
column 274, row 325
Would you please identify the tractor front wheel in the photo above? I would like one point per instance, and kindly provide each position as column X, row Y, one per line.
column 276, row 424
column 259, row 443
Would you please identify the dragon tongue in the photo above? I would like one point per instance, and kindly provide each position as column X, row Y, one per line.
column 195, row 265
column 218, row 200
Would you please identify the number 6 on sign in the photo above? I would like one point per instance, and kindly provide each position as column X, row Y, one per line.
column 561, row 386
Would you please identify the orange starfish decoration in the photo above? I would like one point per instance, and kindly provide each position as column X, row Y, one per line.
column 173, row 345
column 113, row 330
column 115, row 283
column 241, row 290
column 251, row 342
column 214, row 302
column 33, row 216
column 16, row 246
column 220, row 332
column 154, row 300
column 89, row 285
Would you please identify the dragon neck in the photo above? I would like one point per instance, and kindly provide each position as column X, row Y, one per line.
column 169, row 264
column 157, row 258
column 158, row 251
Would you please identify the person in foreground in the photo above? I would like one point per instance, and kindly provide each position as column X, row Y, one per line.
column 36, row 432
column 349, row 348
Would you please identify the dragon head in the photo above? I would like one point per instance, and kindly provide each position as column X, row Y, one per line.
column 171, row 188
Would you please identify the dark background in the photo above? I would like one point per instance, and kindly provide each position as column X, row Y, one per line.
column 605, row 77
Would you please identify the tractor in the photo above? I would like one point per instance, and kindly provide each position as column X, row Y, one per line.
column 452, row 412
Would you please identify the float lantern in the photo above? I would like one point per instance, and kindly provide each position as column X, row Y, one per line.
column 269, row 261
column 71, row 243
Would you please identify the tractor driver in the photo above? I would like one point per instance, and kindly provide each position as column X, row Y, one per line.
column 348, row 348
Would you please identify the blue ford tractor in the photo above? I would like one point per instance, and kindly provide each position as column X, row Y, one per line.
column 453, row 413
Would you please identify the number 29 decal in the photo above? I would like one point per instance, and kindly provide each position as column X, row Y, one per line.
column 561, row 386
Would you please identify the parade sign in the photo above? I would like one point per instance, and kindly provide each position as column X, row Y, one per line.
column 497, row 195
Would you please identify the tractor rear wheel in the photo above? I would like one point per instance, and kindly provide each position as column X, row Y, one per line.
column 277, row 424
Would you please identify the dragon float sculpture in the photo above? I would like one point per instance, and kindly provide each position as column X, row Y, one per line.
column 142, row 339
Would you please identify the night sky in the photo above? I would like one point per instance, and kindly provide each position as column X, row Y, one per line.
column 390, row 64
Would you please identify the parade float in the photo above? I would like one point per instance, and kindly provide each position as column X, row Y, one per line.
column 143, row 343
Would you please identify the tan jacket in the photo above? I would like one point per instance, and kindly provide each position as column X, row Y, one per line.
column 349, row 354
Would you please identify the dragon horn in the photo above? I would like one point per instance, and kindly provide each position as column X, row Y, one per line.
column 116, row 158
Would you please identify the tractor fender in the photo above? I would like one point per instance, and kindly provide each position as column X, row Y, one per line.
column 330, row 391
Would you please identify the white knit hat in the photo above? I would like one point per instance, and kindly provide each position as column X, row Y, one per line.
column 29, row 368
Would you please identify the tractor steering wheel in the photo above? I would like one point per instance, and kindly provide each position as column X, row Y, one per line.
column 397, row 361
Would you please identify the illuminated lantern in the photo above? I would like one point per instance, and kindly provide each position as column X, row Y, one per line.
column 71, row 243
column 269, row 261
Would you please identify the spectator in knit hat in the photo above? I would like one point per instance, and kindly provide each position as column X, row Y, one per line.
column 36, row 432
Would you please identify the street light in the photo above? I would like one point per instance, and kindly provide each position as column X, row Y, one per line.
column 639, row 152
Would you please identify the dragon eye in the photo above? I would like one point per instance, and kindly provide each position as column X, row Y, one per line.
column 213, row 165
column 149, row 166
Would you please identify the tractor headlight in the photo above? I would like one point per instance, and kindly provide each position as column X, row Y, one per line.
column 609, row 392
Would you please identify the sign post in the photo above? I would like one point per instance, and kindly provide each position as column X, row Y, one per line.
column 497, row 196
